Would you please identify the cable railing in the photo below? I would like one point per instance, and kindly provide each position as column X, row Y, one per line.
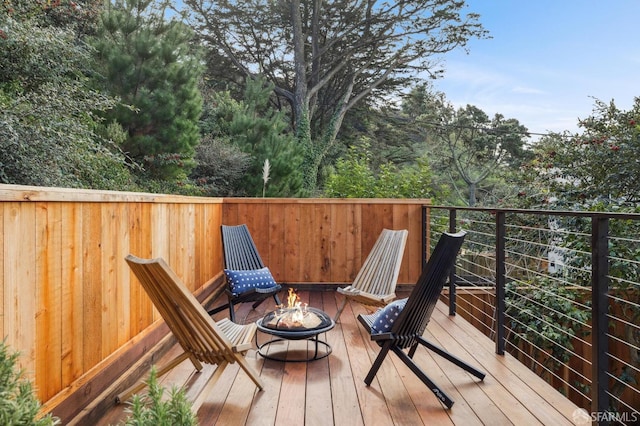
column 558, row 290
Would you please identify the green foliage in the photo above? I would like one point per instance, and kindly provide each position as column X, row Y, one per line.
column 18, row 404
column 153, row 410
column 354, row 178
column 261, row 131
column 48, row 134
column 394, row 137
column 623, row 273
column 148, row 61
column 581, row 168
column 258, row 131
column 79, row 15
column 219, row 163
column 326, row 57
column 477, row 146
column 545, row 314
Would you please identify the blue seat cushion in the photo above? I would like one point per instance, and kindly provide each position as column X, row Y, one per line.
column 246, row 280
column 386, row 316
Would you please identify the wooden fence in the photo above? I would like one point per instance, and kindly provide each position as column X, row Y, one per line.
column 70, row 305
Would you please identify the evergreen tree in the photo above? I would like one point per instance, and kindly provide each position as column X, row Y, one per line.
column 148, row 62
column 242, row 135
column 259, row 130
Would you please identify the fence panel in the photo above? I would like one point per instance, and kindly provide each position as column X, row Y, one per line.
column 70, row 305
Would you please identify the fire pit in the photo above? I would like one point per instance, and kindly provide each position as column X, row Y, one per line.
column 295, row 322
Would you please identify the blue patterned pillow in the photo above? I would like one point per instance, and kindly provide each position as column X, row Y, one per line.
column 387, row 316
column 242, row 281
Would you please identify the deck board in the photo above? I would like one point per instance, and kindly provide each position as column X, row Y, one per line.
column 331, row 391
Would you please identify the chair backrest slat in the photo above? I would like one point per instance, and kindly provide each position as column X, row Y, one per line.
column 194, row 329
column 380, row 270
column 415, row 316
column 240, row 251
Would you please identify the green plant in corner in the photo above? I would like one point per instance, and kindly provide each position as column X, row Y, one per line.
column 18, row 403
column 152, row 410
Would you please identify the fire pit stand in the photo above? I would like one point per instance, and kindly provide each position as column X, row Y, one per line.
column 318, row 322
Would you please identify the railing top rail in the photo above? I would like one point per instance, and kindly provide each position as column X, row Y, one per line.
column 613, row 215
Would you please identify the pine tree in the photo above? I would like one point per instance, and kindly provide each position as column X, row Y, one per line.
column 149, row 63
column 252, row 127
column 260, row 131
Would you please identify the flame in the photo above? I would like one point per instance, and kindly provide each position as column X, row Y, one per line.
column 296, row 310
column 293, row 300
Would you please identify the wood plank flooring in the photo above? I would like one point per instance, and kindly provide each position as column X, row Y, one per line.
column 331, row 391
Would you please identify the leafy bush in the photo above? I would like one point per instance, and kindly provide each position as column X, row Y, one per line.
column 244, row 134
column 48, row 136
column 354, row 178
column 18, row 404
column 152, row 410
column 546, row 315
column 220, row 166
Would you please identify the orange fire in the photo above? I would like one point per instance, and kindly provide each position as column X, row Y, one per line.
column 295, row 311
column 293, row 300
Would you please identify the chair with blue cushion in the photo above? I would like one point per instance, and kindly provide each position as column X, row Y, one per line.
column 401, row 324
column 248, row 279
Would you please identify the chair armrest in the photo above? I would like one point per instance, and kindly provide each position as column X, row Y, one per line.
column 367, row 321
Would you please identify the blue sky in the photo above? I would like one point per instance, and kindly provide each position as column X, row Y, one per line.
column 547, row 60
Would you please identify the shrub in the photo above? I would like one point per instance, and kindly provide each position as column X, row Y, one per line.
column 152, row 410
column 18, row 404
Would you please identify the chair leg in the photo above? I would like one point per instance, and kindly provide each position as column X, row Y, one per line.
column 242, row 362
column 259, row 302
column 439, row 393
column 218, row 309
column 232, row 311
column 377, row 363
column 340, row 309
column 412, row 350
column 457, row 361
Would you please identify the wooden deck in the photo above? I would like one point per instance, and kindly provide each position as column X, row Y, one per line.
column 331, row 391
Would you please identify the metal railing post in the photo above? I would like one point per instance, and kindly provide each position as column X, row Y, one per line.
column 599, row 311
column 425, row 228
column 452, row 274
column 500, row 282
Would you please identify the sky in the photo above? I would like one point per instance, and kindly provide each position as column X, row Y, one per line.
column 547, row 60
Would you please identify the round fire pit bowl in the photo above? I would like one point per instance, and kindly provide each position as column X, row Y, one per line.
column 292, row 324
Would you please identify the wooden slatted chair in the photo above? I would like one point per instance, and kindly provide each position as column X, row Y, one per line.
column 202, row 339
column 396, row 328
column 241, row 254
column 375, row 284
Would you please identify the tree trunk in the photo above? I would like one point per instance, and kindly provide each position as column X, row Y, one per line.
column 472, row 194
